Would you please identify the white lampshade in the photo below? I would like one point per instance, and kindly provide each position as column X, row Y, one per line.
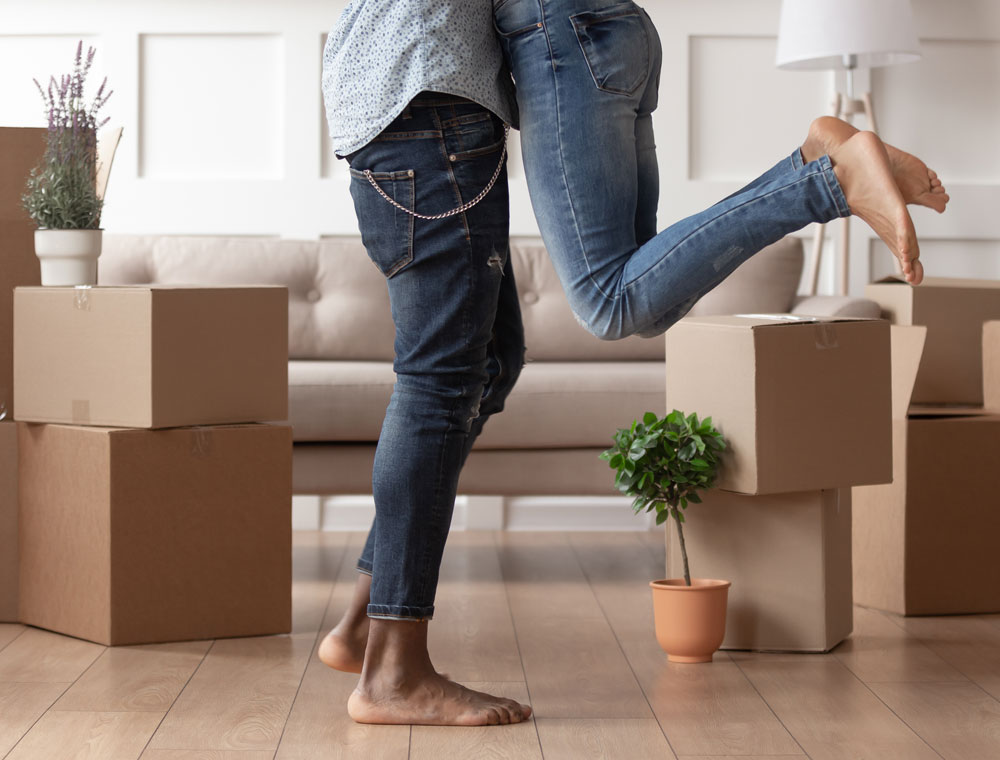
column 818, row 34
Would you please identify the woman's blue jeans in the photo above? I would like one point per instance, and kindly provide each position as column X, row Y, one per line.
column 459, row 340
column 587, row 73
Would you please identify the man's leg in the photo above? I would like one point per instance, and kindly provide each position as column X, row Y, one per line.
column 444, row 279
column 343, row 648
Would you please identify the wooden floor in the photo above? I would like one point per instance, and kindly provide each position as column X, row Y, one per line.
column 560, row 620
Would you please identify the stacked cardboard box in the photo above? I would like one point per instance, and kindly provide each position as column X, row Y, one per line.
column 804, row 405
column 20, row 151
column 155, row 498
column 926, row 544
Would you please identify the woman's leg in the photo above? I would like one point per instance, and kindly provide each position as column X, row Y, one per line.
column 584, row 69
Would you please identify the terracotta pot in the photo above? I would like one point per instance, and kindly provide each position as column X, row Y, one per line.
column 68, row 257
column 690, row 620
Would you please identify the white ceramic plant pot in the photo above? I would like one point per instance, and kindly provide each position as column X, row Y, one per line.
column 68, row 257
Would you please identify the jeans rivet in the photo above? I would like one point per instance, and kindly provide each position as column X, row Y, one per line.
column 409, row 173
column 539, row 24
column 453, row 157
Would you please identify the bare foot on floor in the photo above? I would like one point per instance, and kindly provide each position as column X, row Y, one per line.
column 432, row 700
column 917, row 184
column 862, row 166
column 344, row 650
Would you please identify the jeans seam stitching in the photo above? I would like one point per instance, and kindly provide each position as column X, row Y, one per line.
column 628, row 286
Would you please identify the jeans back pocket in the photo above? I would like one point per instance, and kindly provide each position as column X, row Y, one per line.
column 386, row 231
column 616, row 45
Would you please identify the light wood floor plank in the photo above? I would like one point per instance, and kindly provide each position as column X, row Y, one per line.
column 318, row 725
column 969, row 644
column 959, row 720
column 472, row 635
column 703, row 709
column 603, row 739
column 74, row 735
column 880, row 650
column 145, row 678
column 209, row 754
column 240, row 697
column 21, row 704
column 543, row 578
column 573, row 664
column 830, row 713
column 9, row 632
column 517, row 742
column 38, row 655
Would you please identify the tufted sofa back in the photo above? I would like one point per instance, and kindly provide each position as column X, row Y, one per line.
column 339, row 305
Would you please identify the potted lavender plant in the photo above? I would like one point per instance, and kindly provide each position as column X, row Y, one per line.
column 61, row 195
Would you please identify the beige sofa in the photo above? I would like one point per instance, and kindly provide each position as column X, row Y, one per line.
column 573, row 393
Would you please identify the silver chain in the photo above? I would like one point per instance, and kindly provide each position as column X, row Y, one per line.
column 465, row 206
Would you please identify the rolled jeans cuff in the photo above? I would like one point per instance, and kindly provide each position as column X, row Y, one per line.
column 396, row 612
column 825, row 166
column 364, row 566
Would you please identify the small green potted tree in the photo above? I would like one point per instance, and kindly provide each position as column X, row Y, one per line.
column 62, row 194
column 663, row 463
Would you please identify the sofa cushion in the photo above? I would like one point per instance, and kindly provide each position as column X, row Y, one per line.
column 555, row 404
column 766, row 282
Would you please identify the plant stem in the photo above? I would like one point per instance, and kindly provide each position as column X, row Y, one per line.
column 684, row 554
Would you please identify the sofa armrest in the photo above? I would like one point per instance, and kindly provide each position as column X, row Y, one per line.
column 836, row 306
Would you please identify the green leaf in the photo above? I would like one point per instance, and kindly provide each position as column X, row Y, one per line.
column 688, row 451
column 661, row 517
column 694, row 498
column 649, row 418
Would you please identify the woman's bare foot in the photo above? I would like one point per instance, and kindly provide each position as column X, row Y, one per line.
column 343, row 648
column 862, row 166
column 400, row 686
column 917, row 184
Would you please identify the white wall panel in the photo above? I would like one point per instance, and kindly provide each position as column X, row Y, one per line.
column 978, row 259
column 742, row 109
column 946, row 108
column 212, row 106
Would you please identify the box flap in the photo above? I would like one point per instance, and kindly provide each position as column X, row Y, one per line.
column 907, row 346
column 948, row 410
column 765, row 320
column 941, row 282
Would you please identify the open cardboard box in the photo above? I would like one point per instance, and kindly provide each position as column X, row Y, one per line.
column 953, row 310
column 151, row 356
column 131, row 536
column 926, row 544
column 803, row 402
column 789, row 559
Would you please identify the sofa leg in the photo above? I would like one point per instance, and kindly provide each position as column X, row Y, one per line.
column 307, row 512
column 484, row 513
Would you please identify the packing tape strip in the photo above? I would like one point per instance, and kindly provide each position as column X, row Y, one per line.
column 202, row 442
column 80, row 411
column 81, row 297
column 826, row 336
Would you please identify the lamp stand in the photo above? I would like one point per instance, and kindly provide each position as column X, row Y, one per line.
column 843, row 108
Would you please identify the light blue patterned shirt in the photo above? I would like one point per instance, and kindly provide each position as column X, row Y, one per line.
column 382, row 53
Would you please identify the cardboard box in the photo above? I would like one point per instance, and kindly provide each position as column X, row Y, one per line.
column 151, row 356
column 789, row 559
column 953, row 310
column 8, row 522
column 991, row 366
column 130, row 536
column 804, row 403
column 926, row 544
column 20, row 151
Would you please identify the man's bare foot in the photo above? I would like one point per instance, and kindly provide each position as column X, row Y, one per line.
column 400, row 686
column 433, row 700
column 343, row 648
column 862, row 166
column 917, row 184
